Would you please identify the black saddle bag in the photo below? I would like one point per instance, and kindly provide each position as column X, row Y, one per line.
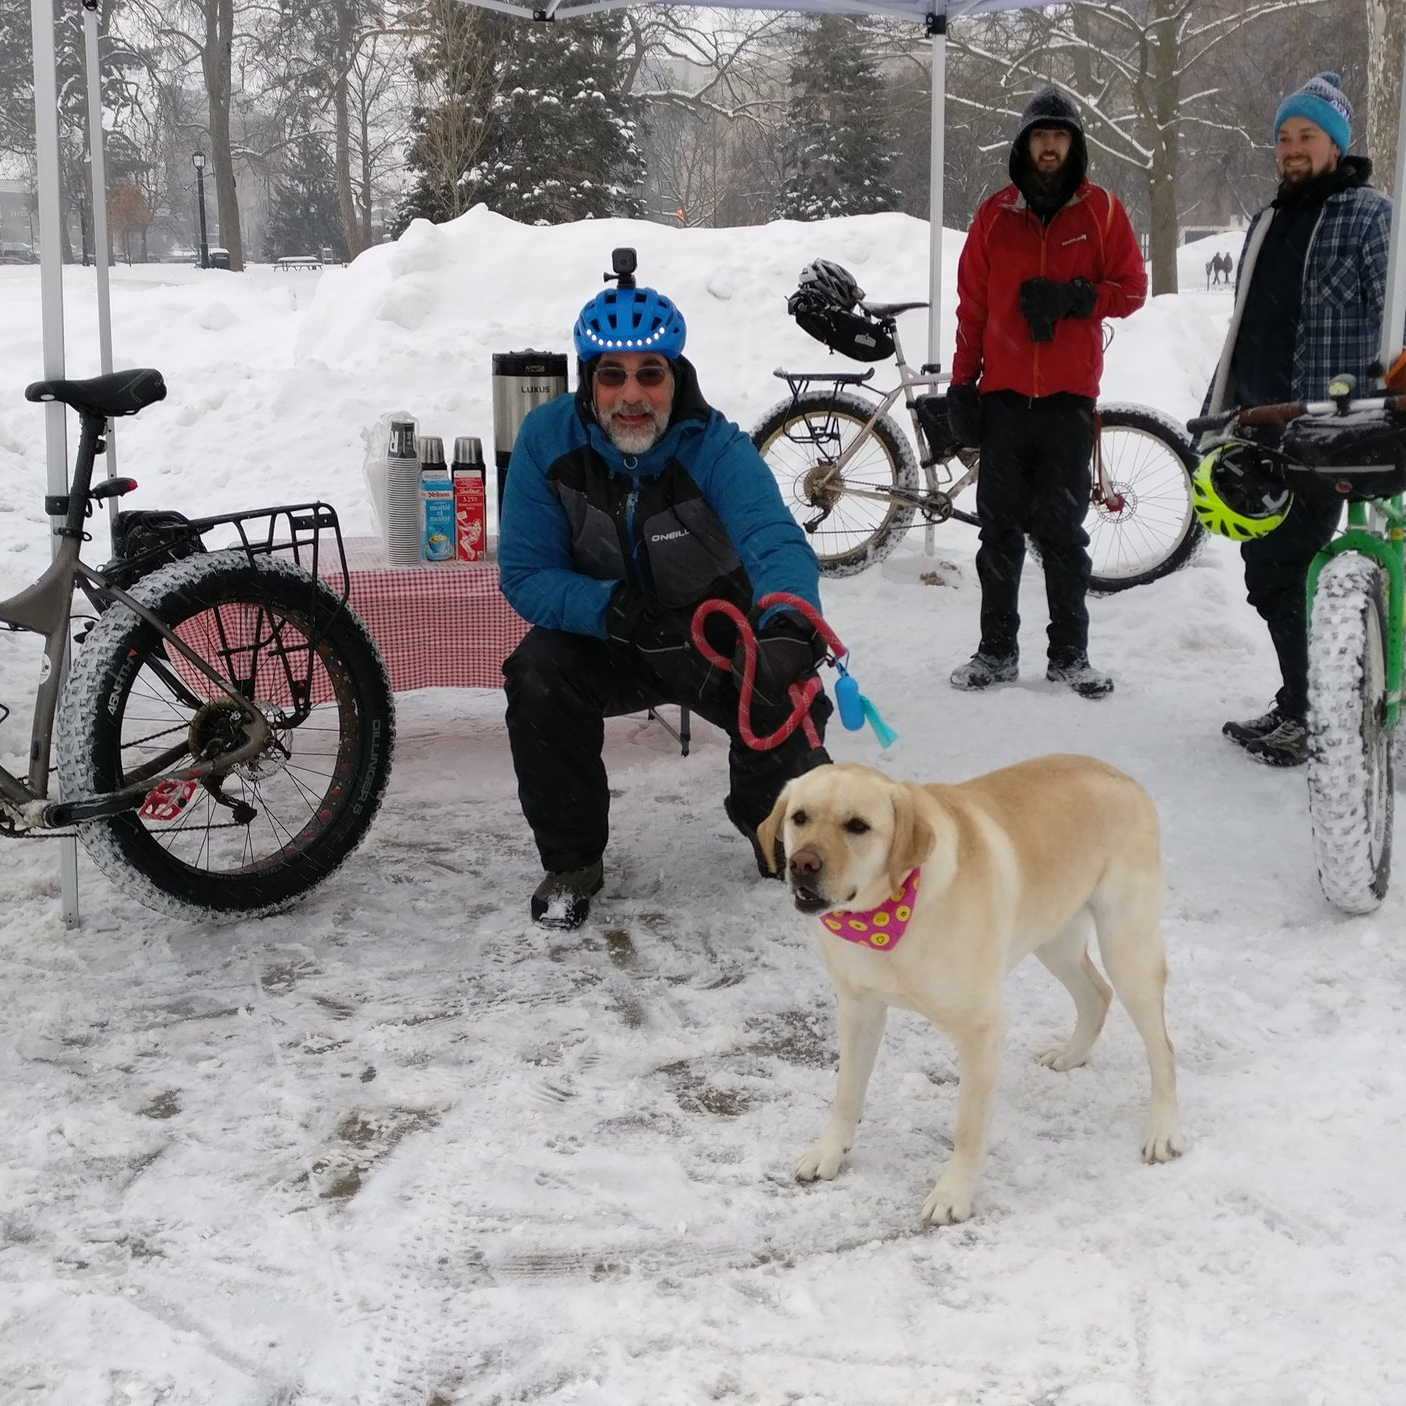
column 1361, row 455
column 850, row 333
column 146, row 539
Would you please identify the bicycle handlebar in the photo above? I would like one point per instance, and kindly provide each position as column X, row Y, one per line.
column 1285, row 411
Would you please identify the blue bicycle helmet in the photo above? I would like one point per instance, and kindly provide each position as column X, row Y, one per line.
column 629, row 320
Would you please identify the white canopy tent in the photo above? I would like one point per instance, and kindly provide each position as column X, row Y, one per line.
column 935, row 15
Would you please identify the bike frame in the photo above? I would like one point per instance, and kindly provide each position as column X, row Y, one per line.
column 1376, row 529
column 45, row 608
column 936, row 502
column 908, row 381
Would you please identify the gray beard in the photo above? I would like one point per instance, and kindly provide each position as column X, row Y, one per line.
column 627, row 438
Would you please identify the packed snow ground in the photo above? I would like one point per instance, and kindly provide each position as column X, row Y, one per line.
column 400, row 1146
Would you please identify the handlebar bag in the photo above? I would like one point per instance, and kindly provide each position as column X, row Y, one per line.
column 851, row 334
column 1362, row 454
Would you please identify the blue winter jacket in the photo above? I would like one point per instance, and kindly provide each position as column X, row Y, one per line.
column 697, row 516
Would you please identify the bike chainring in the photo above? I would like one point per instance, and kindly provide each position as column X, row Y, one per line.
column 936, row 506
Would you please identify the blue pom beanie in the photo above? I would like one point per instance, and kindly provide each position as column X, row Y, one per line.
column 1321, row 101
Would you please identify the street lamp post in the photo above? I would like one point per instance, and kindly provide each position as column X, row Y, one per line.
column 198, row 161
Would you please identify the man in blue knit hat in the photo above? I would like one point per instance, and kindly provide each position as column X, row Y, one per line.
column 1308, row 307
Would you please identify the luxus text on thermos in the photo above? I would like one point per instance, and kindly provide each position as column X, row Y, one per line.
column 521, row 382
column 470, row 475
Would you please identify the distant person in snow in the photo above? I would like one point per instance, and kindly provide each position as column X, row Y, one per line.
column 626, row 506
column 1046, row 260
column 1308, row 307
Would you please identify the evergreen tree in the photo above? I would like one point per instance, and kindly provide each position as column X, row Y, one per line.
column 457, row 72
column 837, row 147
column 305, row 215
column 561, row 143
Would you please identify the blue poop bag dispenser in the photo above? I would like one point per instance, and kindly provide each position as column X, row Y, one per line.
column 856, row 709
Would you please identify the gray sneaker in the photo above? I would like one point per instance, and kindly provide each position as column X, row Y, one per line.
column 1287, row 745
column 563, row 900
column 982, row 670
column 1076, row 671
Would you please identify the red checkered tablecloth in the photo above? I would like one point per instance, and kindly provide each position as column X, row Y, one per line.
column 440, row 626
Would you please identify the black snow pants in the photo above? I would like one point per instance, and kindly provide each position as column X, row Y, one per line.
column 1035, row 479
column 561, row 687
column 1276, row 577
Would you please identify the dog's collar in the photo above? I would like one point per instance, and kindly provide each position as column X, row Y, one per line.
column 880, row 928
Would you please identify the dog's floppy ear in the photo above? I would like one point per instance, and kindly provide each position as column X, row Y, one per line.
column 766, row 831
column 913, row 837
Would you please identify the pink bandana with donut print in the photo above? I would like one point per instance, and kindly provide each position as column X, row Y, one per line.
column 880, row 928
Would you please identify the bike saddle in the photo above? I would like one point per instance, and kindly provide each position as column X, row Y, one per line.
column 889, row 309
column 117, row 393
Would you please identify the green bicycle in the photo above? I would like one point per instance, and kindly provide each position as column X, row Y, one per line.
column 1356, row 599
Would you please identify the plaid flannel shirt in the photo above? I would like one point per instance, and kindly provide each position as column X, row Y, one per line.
column 1344, row 288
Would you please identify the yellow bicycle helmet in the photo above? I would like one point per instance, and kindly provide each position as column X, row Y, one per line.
column 1236, row 493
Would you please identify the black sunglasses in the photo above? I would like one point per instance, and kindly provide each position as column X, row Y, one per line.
column 648, row 376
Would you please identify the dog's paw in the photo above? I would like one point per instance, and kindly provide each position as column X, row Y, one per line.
column 1164, row 1141
column 946, row 1206
column 821, row 1163
column 1062, row 1057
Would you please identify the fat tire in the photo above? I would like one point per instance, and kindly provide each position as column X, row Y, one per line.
column 1159, row 534
column 327, row 790
column 1351, row 797
column 841, row 550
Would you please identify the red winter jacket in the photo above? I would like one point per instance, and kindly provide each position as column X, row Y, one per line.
column 1089, row 237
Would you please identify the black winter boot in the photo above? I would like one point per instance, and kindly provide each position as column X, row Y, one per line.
column 564, row 900
column 982, row 670
column 1252, row 729
column 1075, row 670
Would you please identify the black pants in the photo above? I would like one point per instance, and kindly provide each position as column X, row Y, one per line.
column 1276, row 576
column 561, row 687
column 1035, row 479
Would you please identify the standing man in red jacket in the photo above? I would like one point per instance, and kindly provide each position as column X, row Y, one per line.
column 1046, row 260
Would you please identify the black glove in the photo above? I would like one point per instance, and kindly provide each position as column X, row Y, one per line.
column 964, row 415
column 643, row 622
column 1043, row 302
column 787, row 650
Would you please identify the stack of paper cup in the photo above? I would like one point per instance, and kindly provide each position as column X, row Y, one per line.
column 402, row 496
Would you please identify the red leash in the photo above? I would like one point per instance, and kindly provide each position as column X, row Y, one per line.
column 802, row 694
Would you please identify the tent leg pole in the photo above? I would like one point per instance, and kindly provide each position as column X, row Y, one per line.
column 937, row 168
column 1394, row 314
column 46, row 148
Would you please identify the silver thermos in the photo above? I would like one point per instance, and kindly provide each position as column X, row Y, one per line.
column 521, row 382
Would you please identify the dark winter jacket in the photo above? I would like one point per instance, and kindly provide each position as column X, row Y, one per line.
column 1078, row 231
column 1341, row 292
column 697, row 516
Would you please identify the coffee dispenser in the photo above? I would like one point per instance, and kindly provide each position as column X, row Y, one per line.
column 521, row 382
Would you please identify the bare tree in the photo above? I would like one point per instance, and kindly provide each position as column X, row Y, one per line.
column 1135, row 72
column 714, row 97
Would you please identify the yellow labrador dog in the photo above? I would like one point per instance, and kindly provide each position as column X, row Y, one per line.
column 928, row 895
